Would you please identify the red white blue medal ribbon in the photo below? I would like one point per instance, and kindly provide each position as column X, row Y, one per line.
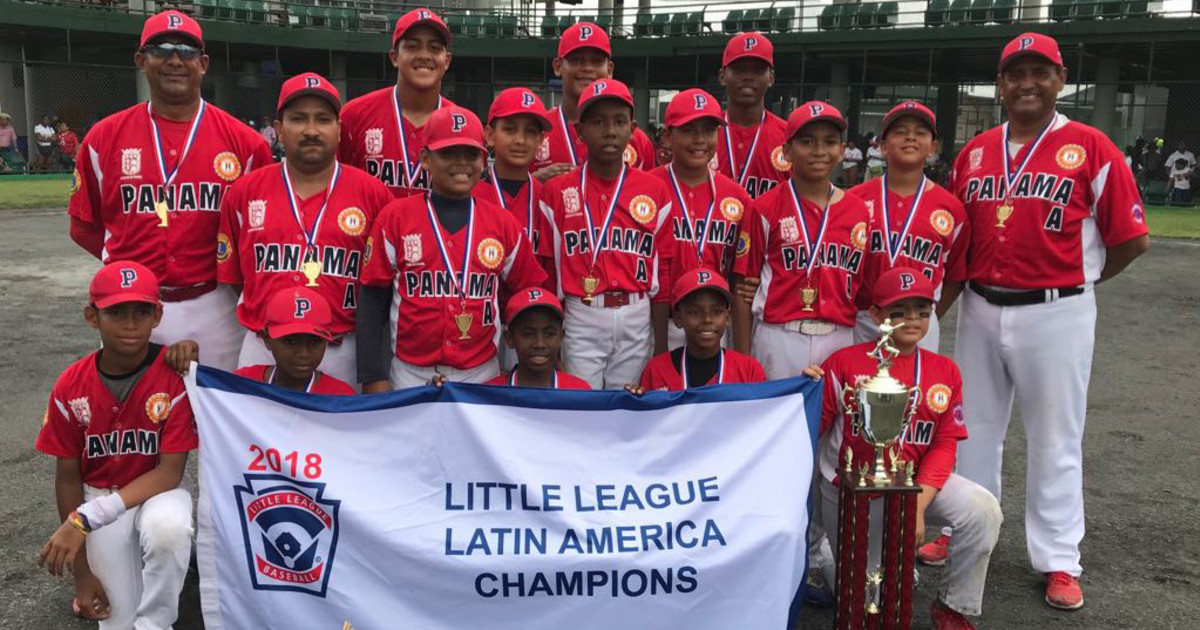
column 684, row 369
column 1010, row 178
column 562, row 119
column 740, row 174
column 701, row 236
column 312, row 380
column 159, row 159
column 894, row 241
column 504, row 204
column 460, row 278
column 811, row 246
column 512, row 379
column 310, row 235
column 598, row 241
column 410, row 171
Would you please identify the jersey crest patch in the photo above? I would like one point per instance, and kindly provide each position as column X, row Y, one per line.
column 858, row 235
column 256, row 213
column 743, row 244
column 412, row 249
column 158, row 406
column 788, row 230
column 938, row 398
column 373, row 141
column 490, row 253
column 975, row 159
column 227, row 166
column 1139, row 213
column 779, row 160
column 76, row 181
column 643, row 209
column 1070, row 156
column 352, row 221
column 570, row 197
column 713, row 164
column 81, row 410
column 942, row 222
column 223, row 248
column 368, row 249
column 630, row 155
column 731, row 209
column 131, row 162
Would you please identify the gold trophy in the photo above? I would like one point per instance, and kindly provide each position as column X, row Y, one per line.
column 882, row 407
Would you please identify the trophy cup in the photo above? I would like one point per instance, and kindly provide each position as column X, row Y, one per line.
column 881, row 409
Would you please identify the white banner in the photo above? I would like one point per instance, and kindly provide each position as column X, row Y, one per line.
column 503, row 508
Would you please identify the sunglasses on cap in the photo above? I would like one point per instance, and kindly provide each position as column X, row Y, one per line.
column 186, row 52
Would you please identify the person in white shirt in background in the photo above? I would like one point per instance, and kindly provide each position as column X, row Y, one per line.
column 1181, row 151
column 1180, row 181
column 851, row 159
column 875, row 161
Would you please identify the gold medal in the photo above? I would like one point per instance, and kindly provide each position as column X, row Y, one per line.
column 312, row 271
column 1003, row 211
column 463, row 321
column 809, row 295
column 160, row 209
column 590, row 284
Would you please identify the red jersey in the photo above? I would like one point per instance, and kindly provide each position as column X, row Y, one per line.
column 562, row 380
column 117, row 442
column 405, row 254
column 635, row 243
column 377, row 139
column 262, row 247
column 665, row 372
column 523, row 206
column 693, row 214
column 772, row 247
column 932, row 437
column 68, row 142
column 1074, row 198
column 557, row 145
column 321, row 382
column 118, row 179
column 757, row 162
column 931, row 237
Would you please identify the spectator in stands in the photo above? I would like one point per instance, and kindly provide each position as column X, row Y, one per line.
column 875, row 161
column 1153, row 164
column 9, row 153
column 43, row 158
column 268, row 133
column 1181, row 152
column 851, row 159
column 1180, row 181
column 68, row 144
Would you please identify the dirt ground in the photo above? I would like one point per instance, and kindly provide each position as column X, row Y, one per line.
column 1141, row 554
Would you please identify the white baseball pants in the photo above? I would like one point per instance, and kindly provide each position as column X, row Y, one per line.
column 339, row 361
column 210, row 320
column 865, row 329
column 1044, row 353
column 962, row 504
column 142, row 559
column 607, row 347
column 405, row 374
column 784, row 353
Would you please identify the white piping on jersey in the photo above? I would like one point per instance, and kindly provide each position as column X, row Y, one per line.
column 548, row 214
column 1094, row 253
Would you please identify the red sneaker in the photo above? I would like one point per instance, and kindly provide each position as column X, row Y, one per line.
column 1063, row 591
column 946, row 618
column 934, row 553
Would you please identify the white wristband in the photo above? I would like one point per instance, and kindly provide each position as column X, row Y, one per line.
column 103, row 510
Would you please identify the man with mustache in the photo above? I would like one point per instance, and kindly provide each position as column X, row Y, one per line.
column 149, row 181
column 750, row 148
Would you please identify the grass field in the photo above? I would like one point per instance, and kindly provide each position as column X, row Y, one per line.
column 51, row 191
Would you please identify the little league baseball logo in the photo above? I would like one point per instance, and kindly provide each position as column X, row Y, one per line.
column 227, row 166
column 490, row 253
column 413, row 252
column 256, row 213
column 779, row 159
column 643, row 209
column 352, row 221
column 373, row 140
column 290, row 531
column 158, row 406
column 858, row 235
column 1070, row 156
column 938, row 398
column 131, row 162
column 731, row 209
column 942, row 222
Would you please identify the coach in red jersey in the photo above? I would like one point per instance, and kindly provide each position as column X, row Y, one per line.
column 149, row 182
column 304, row 222
column 1053, row 211
column 584, row 55
column 381, row 130
column 751, row 150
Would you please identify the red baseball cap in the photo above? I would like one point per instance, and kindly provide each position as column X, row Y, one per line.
column 601, row 89
column 519, row 100
column 584, row 35
column 752, row 44
column 532, row 297
column 171, row 23
column 1034, row 44
column 699, row 279
column 123, row 281
column 909, row 108
column 298, row 311
column 308, row 84
column 689, row 105
column 811, row 112
column 453, row 126
column 900, row 283
column 418, row 17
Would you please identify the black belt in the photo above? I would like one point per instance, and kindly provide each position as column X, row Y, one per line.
column 1023, row 298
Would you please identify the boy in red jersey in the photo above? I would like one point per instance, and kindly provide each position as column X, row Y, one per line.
column 381, row 130
column 534, row 331
column 931, row 441
column 751, row 150
column 435, row 263
column 120, row 424
column 584, row 55
column 605, row 238
column 914, row 222
column 303, row 222
column 700, row 300
column 707, row 207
